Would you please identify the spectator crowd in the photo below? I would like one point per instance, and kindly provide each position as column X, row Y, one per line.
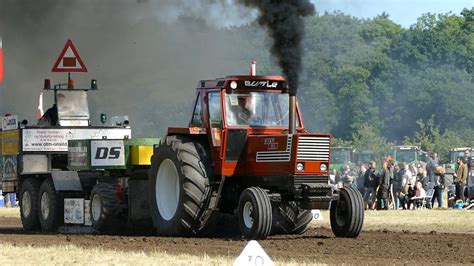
column 407, row 185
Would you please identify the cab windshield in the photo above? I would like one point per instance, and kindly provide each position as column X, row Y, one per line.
column 454, row 156
column 363, row 158
column 339, row 156
column 406, row 156
column 257, row 109
column 72, row 104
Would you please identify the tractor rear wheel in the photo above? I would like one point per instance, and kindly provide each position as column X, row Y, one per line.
column 29, row 204
column 50, row 206
column 288, row 218
column 255, row 214
column 103, row 207
column 179, row 186
column 347, row 214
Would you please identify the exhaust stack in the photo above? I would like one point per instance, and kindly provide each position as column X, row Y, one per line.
column 253, row 68
column 292, row 114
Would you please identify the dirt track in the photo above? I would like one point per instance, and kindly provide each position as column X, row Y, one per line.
column 318, row 245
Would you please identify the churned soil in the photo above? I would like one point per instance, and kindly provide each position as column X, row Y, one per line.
column 318, row 245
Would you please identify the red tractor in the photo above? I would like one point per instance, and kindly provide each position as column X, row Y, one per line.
column 246, row 152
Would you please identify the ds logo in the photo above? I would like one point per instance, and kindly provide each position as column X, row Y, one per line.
column 107, row 153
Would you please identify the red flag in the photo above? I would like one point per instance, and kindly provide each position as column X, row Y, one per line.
column 1, row 61
column 40, row 106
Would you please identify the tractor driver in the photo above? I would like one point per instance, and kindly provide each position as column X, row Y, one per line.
column 244, row 113
column 51, row 115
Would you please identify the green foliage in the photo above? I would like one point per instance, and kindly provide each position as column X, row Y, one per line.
column 367, row 138
column 337, row 142
column 430, row 138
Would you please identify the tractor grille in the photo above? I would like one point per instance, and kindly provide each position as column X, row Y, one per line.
column 313, row 148
column 301, row 179
column 276, row 156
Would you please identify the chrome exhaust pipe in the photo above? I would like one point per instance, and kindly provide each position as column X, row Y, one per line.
column 292, row 114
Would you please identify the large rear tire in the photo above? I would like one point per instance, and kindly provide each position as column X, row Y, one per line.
column 288, row 218
column 347, row 214
column 103, row 207
column 255, row 214
column 50, row 206
column 179, row 186
column 29, row 204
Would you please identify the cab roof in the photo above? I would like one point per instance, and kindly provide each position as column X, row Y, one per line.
column 244, row 81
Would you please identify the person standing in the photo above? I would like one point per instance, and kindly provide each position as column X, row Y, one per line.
column 438, row 186
column 384, row 187
column 408, row 175
column 369, row 185
column 361, row 179
column 396, row 184
column 461, row 177
column 432, row 164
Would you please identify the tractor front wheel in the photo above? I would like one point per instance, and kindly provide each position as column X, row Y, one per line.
column 255, row 214
column 347, row 213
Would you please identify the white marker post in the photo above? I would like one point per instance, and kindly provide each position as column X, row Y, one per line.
column 254, row 255
column 317, row 215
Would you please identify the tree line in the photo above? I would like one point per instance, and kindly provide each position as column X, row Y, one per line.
column 372, row 83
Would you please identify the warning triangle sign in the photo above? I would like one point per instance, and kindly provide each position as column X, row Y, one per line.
column 69, row 60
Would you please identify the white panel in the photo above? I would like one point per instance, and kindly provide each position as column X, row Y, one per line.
column 35, row 163
column 107, row 153
column 55, row 140
column 74, row 211
column 87, row 213
column 9, row 122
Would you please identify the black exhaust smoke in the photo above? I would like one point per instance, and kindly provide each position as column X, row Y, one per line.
column 284, row 20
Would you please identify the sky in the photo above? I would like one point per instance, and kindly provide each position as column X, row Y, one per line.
column 403, row 12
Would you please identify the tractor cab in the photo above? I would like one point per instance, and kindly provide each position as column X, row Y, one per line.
column 248, row 120
column 70, row 107
column 409, row 154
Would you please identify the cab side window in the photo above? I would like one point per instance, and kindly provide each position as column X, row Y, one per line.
column 215, row 117
column 215, row 109
column 197, row 114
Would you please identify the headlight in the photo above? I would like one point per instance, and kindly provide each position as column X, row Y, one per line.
column 233, row 85
column 323, row 167
column 300, row 167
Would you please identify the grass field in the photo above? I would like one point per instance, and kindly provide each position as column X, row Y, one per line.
column 72, row 255
column 9, row 212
